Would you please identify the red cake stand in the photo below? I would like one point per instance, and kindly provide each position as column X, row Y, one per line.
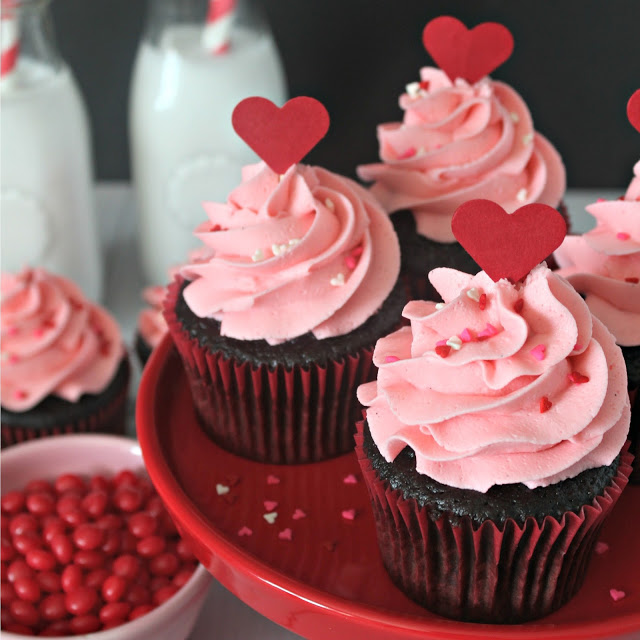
column 297, row 543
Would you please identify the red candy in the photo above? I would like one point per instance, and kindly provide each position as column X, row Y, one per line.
column 83, row 555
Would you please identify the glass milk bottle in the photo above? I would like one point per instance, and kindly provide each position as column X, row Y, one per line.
column 196, row 61
column 46, row 193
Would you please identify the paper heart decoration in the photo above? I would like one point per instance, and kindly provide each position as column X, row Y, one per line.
column 467, row 53
column 633, row 110
column 508, row 245
column 281, row 137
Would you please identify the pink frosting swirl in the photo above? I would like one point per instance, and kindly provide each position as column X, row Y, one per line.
column 535, row 391
column 459, row 142
column 305, row 251
column 151, row 323
column 54, row 341
column 604, row 263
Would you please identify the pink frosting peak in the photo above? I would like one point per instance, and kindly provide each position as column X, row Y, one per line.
column 151, row 323
column 54, row 341
column 538, row 399
column 459, row 142
column 287, row 254
column 604, row 263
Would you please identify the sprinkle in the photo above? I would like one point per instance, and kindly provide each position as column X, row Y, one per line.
column 601, row 547
column 538, row 352
column 545, row 404
column 600, row 200
column 278, row 249
column 298, row 514
column 617, row 594
column 409, row 153
column 514, row 116
column 443, row 350
column 413, row 89
column 577, row 378
column 522, row 195
column 482, row 303
column 518, row 305
column 270, row 517
column 439, row 305
column 632, row 280
column 474, row 294
column 622, row 235
column 350, row 479
column 389, row 359
column 330, row 204
column 271, row 479
column 424, row 85
column 466, row 336
column 294, row 241
column 487, row 332
column 20, row 394
column 578, row 347
column 221, row 489
column 337, row 281
column 441, row 343
column 349, row 514
column 285, row 534
column 350, row 262
column 357, row 252
column 527, row 139
column 454, row 342
column 270, row 505
column 244, row 531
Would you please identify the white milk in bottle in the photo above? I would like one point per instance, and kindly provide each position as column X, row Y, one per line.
column 184, row 149
column 46, row 193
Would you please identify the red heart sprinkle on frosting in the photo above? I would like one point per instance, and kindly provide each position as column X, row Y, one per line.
column 633, row 110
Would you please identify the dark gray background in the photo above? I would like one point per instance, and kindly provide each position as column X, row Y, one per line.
column 576, row 63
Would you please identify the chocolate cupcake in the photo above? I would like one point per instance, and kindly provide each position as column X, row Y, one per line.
column 64, row 369
column 460, row 139
column 494, row 445
column 276, row 325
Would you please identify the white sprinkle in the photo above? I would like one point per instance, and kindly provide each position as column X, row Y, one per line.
column 515, row 117
column 527, row 139
column 221, row 489
column 270, row 517
column 474, row 294
column 420, row 151
column 454, row 342
column 294, row 241
column 413, row 89
column 278, row 249
column 439, row 305
column 258, row 255
column 522, row 195
column 338, row 280
column 329, row 204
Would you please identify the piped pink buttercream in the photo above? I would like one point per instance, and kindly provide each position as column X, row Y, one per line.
column 276, row 256
column 151, row 323
column 473, row 418
column 472, row 141
column 604, row 263
column 54, row 341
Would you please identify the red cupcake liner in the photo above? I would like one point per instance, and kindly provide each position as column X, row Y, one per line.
column 634, row 435
column 278, row 415
column 110, row 418
column 490, row 574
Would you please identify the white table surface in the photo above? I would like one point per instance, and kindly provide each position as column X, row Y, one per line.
column 224, row 617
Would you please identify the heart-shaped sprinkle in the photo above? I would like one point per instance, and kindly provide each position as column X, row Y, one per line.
column 270, row 517
column 633, row 110
column 281, row 136
column 330, row 545
column 601, row 547
column 245, row 531
column 538, row 352
column 298, row 514
column 350, row 479
column 221, row 489
column 349, row 514
column 271, row 479
column 467, row 53
column 270, row 505
column 285, row 534
column 617, row 594
column 508, row 245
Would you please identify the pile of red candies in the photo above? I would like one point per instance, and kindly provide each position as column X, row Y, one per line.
column 81, row 555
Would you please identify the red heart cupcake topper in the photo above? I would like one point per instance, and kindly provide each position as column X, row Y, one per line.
column 467, row 53
column 633, row 110
column 281, row 137
column 508, row 245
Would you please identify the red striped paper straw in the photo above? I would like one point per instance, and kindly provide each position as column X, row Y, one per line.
column 217, row 31
column 9, row 43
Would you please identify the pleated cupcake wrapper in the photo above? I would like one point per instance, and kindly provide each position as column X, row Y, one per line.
column 634, row 435
column 278, row 415
column 489, row 574
column 112, row 418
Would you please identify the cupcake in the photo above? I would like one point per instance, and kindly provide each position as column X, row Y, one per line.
column 604, row 267
column 276, row 323
column 459, row 139
column 152, row 326
column 494, row 445
column 64, row 366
